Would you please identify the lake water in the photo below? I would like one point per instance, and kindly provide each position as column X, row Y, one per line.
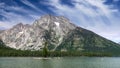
column 64, row 62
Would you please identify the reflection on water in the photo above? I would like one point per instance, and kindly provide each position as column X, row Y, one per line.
column 66, row 62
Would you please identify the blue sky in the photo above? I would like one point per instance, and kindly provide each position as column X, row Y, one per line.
column 100, row 16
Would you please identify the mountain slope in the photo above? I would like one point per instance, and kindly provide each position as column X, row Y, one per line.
column 83, row 40
column 60, row 34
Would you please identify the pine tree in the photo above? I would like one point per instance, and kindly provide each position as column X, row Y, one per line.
column 45, row 51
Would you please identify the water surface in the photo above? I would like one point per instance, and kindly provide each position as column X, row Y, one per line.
column 64, row 62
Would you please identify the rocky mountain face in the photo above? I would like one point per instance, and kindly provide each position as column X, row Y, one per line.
column 32, row 37
column 59, row 33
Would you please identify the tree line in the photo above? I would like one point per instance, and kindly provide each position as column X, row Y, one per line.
column 9, row 52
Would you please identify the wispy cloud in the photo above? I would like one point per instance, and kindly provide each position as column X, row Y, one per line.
column 91, row 14
column 26, row 2
column 12, row 15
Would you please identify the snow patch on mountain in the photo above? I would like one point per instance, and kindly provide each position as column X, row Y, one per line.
column 57, row 23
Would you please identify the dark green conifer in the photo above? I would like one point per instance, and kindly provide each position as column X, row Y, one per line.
column 45, row 51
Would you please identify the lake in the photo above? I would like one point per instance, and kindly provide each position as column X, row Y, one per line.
column 63, row 62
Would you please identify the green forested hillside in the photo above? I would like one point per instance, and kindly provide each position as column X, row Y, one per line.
column 9, row 52
column 86, row 41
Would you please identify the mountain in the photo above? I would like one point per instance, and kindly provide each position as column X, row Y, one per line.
column 59, row 33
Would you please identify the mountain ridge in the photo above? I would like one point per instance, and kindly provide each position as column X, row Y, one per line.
column 59, row 32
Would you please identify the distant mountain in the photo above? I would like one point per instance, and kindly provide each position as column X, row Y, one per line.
column 59, row 33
